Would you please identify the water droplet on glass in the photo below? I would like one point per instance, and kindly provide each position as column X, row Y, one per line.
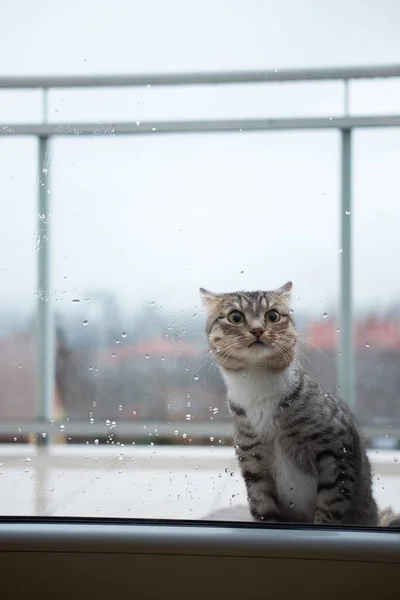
column 123, row 334
column 85, row 322
column 62, row 427
column 153, row 129
column 340, row 251
column 212, row 438
column 120, row 407
column 44, row 434
column 96, row 441
column 188, row 417
column 324, row 315
column 28, row 459
column 113, row 355
column 147, row 356
column 241, row 272
column 395, row 459
column 368, row 345
column 162, row 358
column 91, row 368
column 215, row 411
column 347, row 212
column 138, row 123
column 337, row 330
column 291, row 504
column 344, row 450
column 176, row 432
column 75, row 301
column 196, row 377
column 20, row 366
column 91, row 420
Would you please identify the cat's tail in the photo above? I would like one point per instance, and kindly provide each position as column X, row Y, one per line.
column 388, row 518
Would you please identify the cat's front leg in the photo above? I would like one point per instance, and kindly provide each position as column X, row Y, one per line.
column 263, row 500
column 335, row 488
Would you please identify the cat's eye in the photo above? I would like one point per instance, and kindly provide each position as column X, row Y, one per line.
column 273, row 316
column 236, row 317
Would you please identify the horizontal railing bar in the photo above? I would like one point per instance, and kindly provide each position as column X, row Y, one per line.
column 145, row 429
column 141, row 429
column 199, row 78
column 202, row 126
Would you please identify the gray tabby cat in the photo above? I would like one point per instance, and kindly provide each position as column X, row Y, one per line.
column 301, row 453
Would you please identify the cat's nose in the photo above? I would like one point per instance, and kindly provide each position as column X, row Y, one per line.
column 257, row 331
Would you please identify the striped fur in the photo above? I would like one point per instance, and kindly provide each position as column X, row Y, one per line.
column 301, row 453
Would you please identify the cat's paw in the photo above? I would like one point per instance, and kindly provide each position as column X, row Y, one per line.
column 323, row 518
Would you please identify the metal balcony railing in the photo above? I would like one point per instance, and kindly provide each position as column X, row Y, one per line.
column 44, row 132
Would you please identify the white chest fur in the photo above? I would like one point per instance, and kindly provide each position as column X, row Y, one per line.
column 296, row 489
column 259, row 394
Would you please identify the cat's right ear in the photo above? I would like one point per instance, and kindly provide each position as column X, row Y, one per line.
column 208, row 298
column 286, row 289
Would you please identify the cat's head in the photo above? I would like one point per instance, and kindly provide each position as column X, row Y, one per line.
column 248, row 329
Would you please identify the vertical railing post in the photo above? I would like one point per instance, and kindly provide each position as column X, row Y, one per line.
column 346, row 355
column 45, row 373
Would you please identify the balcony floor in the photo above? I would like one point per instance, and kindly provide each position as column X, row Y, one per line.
column 179, row 482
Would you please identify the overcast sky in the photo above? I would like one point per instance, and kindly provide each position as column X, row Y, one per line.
column 155, row 217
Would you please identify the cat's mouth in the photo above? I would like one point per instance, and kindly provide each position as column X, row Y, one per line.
column 256, row 343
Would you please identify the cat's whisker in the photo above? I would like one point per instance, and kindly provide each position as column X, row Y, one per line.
column 289, row 347
column 203, row 348
column 284, row 353
column 207, row 359
column 316, row 348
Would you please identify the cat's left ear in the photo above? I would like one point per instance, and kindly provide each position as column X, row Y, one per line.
column 208, row 298
column 286, row 289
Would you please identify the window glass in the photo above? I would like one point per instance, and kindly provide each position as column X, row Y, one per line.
column 111, row 403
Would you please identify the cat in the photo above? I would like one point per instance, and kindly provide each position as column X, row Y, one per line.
column 300, row 450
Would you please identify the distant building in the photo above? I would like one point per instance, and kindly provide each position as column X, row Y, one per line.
column 161, row 379
column 18, row 381
column 371, row 333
